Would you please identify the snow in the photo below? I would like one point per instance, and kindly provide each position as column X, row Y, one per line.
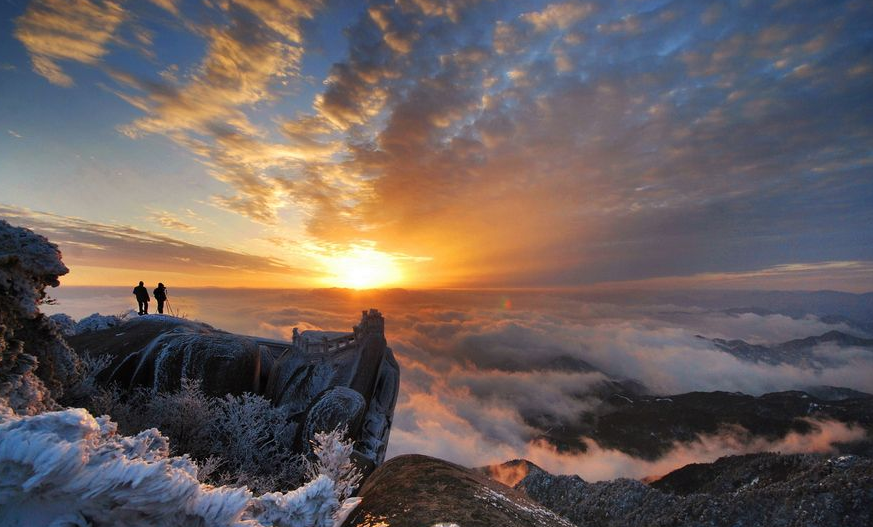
column 28, row 261
column 64, row 323
column 28, row 264
column 97, row 322
column 70, row 468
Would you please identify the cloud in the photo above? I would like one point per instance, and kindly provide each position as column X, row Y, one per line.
column 60, row 30
column 87, row 244
column 668, row 140
column 253, row 48
column 172, row 221
column 559, row 15
column 169, row 5
column 483, row 383
column 207, row 112
column 599, row 464
column 649, row 162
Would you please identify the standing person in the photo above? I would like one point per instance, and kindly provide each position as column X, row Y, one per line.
column 142, row 298
column 160, row 293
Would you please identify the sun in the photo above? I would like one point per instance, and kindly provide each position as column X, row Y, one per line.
column 363, row 268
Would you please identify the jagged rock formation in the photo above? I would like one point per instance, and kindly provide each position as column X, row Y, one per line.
column 323, row 380
column 802, row 490
column 36, row 366
column 309, row 375
column 416, row 491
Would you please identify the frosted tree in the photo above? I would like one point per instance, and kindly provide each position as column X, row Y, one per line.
column 69, row 468
column 333, row 459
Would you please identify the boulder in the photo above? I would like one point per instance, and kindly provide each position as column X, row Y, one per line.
column 415, row 491
column 157, row 352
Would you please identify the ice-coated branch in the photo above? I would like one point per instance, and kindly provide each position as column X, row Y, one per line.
column 69, row 465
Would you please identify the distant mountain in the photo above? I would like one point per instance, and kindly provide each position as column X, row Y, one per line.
column 835, row 393
column 861, row 327
column 756, row 489
column 798, row 352
column 649, row 426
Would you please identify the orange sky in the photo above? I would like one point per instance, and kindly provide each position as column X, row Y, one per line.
column 527, row 144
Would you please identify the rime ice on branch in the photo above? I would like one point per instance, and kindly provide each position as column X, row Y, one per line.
column 69, row 468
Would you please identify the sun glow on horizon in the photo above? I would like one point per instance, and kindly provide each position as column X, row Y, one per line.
column 363, row 268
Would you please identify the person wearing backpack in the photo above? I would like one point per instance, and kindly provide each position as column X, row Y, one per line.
column 160, row 293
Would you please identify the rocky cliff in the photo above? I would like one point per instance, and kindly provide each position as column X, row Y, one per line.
column 322, row 380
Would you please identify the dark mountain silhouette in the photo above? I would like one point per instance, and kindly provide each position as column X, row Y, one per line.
column 798, row 352
column 756, row 489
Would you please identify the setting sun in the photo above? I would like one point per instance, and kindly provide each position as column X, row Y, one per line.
column 363, row 269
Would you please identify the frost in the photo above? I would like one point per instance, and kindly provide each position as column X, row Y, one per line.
column 241, row 440
column 64, row 323
column 69, row 468
column 35, row 363
column 333, row 453
column 97, row 322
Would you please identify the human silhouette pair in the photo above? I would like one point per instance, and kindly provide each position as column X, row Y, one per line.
column 143, row 299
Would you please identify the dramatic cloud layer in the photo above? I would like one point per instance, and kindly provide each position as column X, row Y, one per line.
column 511, row 143
column 485, row 375
column 87, row 244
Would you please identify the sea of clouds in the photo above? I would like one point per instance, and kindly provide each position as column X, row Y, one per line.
column 478, row 367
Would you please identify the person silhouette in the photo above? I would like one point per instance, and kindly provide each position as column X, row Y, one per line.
column 142, row 298
column 160, row 293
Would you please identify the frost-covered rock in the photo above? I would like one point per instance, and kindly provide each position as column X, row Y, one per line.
column 157, row 352
column 68, row 468
column 338, row 379
column 337, row 407
column 28, row 263
column 35, row 363
column 318, row 363
column 97, row 322
column 64, row 323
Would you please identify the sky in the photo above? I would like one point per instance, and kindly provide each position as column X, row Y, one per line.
column 443, row 143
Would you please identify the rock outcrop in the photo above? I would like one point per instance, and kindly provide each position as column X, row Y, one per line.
column 322, row 379
column 416, row 491
column 36, row 366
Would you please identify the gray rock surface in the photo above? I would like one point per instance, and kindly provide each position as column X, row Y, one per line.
column 321, row 379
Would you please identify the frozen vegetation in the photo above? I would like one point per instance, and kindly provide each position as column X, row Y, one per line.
column 63, row 466
column 70, row 467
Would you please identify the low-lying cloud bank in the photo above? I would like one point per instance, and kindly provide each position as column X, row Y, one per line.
column 479, row 368
column 604, row 464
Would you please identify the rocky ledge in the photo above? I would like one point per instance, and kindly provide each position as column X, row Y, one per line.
column 323, row 379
